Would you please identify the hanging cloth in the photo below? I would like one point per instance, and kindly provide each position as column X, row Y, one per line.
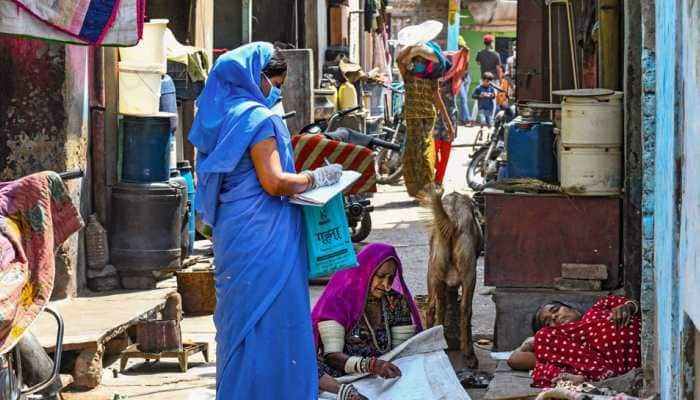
column 88, row 20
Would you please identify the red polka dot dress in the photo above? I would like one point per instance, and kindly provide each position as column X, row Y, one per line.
column 592, row 347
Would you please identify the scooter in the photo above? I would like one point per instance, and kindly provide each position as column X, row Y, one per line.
column 357, row 206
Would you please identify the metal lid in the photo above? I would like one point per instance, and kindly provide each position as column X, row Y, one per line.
column 584, row 92
column 539, row 105
column 160, row 114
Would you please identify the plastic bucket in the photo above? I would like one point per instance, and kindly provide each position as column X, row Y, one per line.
column 139, row 88
column 146, row 148
column 151, row 48
column 592, row 121
column 591, row 171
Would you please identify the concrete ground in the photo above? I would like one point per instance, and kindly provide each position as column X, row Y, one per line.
column 396, row 220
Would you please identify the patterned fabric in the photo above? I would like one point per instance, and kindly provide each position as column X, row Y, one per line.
column 592, row 347
column 88, row 20
column 310, row 152
column 36, row 214
column 419, row 155
column 450, row 104
column 358, row 342
column 419, row 101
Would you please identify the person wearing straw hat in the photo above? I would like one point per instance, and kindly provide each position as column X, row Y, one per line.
column 421, row 64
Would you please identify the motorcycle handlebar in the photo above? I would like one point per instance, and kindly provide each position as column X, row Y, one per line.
column 345, row 112
column 383, row 143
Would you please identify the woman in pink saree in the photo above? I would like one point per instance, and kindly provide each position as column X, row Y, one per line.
column 363, row 313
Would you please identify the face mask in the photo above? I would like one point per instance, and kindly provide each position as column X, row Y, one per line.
column 419, row 68
column 274, row 95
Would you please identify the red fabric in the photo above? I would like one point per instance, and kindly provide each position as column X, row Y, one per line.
column 592, row 347
column 460, row 63
column 311, row 151
column 442, row 156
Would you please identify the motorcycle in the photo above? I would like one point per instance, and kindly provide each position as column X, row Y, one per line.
column 357, row 206
column 486, row 161
column 389, row 163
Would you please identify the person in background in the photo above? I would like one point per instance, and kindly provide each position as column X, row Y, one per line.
column 485, row 95
column 488, row 58
column 511, row 67
column 461, row 80
column 444, row 126
column 601, row 343
column 502, row 95
column 421, row 67
column 245, row 174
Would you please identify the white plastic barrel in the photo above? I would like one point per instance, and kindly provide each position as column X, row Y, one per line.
column 139, row 88
column 151, row 48
column 592, row 121
column 590, row 170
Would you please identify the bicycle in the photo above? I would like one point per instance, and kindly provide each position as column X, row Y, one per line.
column 389, row 162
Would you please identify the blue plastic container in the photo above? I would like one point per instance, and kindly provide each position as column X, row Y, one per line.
column 168, row 99
column 145, row 148
column 530, row 148
column 186, row 172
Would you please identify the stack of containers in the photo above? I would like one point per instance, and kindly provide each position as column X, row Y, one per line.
column 591, row 141
column 149, row 202
column 140, row 71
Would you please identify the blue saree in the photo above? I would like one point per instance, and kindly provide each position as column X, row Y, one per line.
column 265, row 346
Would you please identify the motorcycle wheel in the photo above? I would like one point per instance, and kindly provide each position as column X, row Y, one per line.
column 388, row 167
column 475, row 173
column 358, row 234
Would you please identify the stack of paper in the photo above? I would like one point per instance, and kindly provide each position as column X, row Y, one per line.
column 320, row 196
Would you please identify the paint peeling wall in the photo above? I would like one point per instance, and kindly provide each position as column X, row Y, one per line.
column 43, row 126
column 690, row 212
column 666, row 199
column 648, row 294
column 675, row 198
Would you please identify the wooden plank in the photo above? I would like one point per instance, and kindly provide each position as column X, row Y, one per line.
column 610, row 45
column 508, row 384
column 528, row 238
column 92, row 320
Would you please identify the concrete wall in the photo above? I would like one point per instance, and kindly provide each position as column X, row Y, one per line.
column 648, row 131
column 44, row 126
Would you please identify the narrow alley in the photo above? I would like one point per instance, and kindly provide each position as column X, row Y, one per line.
column 349, row 199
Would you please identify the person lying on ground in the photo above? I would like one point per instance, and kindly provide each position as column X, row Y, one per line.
column 363, row 313
column 601, row 343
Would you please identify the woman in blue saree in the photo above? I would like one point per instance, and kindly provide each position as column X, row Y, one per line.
column 245, row 171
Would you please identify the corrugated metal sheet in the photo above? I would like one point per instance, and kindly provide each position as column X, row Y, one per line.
column 528, row 237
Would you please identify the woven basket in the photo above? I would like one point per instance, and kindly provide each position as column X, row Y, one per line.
column 197, row 291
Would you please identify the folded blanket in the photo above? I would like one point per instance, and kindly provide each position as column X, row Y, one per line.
column 36, row 215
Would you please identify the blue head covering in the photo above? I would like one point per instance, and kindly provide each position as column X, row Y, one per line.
column 231, row 109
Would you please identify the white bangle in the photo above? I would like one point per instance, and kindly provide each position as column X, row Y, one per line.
column 332, row 336
column 353, row 365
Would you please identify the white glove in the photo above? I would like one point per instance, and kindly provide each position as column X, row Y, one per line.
column 326, row 176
